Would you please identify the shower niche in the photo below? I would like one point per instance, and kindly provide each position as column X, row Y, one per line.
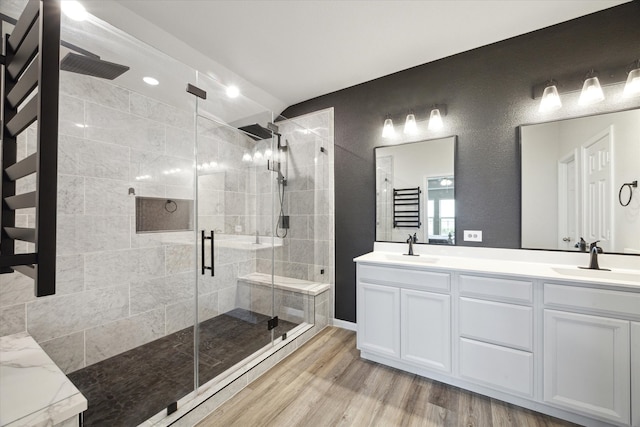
column 155, row 214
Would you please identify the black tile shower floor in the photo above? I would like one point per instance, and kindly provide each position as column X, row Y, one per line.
column 127, row 389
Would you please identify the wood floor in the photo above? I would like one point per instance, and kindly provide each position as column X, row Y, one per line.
column 326, row 383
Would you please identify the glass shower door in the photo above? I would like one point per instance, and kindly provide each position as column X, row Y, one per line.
column 234, row 305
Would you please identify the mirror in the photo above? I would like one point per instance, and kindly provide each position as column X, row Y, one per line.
column 573, row 176
column 415, row 191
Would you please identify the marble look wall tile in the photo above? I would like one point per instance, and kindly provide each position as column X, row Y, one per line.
column 109, row 125
column 85, row 233
column 158, row 166
column 235, row 203
column 95, row 90
column 158, row 111
column 295, row 270
column 15, row 288
column 210, row 202
column 70, row 194
column 69, row 274
column 299, row 226
column 180, row 315
column 180, row 142
column 26, row 184
column 55, row 316
column 180, row 259
column 226, row 276
column 12, row 319
column 156, row 293
column 208, row 306
column 71, row 113
column 67, row 351
column 116, row 268
column 227, row 299
column 301, row 251
column 180, row 192
column 321, row 227
column 207, row 148
column 92, row 158
column 116, row 337
column 301, row 202
column 107, row 197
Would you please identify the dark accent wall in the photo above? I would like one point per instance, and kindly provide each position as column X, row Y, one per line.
column 488, row 94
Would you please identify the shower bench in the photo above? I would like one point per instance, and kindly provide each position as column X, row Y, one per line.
column 295, row 300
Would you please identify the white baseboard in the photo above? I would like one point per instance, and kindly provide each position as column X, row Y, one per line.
column 344, row 324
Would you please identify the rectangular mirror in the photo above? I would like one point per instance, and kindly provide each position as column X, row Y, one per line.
column 415, row 191
column 573, row 183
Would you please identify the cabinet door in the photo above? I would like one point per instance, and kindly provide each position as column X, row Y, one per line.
column 635, row 373
column 379, row 319
column 587, row 365
column 426, row 329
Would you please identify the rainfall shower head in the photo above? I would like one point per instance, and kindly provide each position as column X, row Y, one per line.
column 92, row 66
column 256, row 132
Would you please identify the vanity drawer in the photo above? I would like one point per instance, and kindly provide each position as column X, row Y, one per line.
column 495, row 322
column 601, row 301
column 509, row 290
column 499, row 367
column 405, row 277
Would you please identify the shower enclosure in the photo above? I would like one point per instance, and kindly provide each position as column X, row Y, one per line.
column 194, row 231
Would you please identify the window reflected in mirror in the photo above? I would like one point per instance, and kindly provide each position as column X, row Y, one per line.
column 415, row 192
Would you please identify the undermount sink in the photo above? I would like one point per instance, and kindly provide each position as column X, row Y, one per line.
column 410, row 258
column 599, row 274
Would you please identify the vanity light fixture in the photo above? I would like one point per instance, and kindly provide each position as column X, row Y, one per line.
column 435, row 119
column 410, row 127
column 632, row 86
column 591, row 90
column 550, row 99
column 387, row 130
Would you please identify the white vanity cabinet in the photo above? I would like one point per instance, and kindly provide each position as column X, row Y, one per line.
column 587, row 350
column 635, row 374
column 567, row 347
column 400, row 317
column 496, row 332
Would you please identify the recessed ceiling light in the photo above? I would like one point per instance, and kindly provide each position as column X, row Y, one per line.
column 151, row 81
column 74, row 10
column 233, row 91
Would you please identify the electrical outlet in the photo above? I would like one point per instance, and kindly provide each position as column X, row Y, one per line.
column 473, row 235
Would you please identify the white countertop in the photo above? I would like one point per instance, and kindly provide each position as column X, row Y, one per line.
column 33, row 390
column 625, row 272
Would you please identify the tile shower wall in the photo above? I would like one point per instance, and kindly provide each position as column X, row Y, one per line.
column 115, row 289
column 307, row 252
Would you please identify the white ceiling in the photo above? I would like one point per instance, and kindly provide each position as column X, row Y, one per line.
column 297, row 50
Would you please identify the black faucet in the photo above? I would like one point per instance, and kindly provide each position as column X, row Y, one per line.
column 411, row 240
column 594, row 250
column 582, row 245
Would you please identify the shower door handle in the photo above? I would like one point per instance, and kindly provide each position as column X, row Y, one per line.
column 204, row 238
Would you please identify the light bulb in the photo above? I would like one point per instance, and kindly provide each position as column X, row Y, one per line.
column 550, row 99
column 387, row 130
column 591, row 92
column 632, row 87
column 410, row 125
column 435, row 120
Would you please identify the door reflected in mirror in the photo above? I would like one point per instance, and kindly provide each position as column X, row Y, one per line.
column 572, row 173
column 415, row 192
